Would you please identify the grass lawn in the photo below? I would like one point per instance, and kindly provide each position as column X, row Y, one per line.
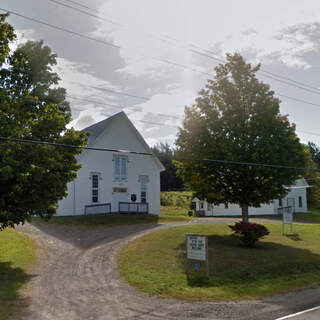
column 168, row 214
column 312, row 216
column 17, row 253
column 155, row 263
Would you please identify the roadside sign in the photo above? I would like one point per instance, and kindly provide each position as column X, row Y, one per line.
column 287, row 218
column 197, row 249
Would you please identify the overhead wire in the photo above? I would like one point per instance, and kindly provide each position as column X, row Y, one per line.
column 242, row 163
column 157, row 59
column 175, row 116
column 82, row 5
column 266, row 73
column 116, row 46
column 98, row 40
column 63, row 145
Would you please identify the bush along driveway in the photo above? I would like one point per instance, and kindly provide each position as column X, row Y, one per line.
column 78, row 279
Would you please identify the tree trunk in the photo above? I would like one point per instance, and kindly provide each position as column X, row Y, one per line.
column 245, row 213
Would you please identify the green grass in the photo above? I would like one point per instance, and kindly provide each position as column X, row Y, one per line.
column 17, row 254
column 155, row 263
column 168, row 214
column 312, row 216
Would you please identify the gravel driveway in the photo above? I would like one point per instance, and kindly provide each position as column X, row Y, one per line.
column 76, row 279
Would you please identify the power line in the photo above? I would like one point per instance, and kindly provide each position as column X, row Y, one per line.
column 154, row 58
column 267, row 74
column 112, row 45
column 308, row 132
column 298, row 100
column 61, row 29
column 286, row 78
column 291, row 84
column 175, row 116
column 63, row 145
column 82, row 5
column 242, row 163
column 122, row 93
column 81, row 11
column 123, row 107
column 96, row 40
column 262, row 71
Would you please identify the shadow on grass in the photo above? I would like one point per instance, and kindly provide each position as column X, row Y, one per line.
column 294, row 237
column 11, row 280
column 231, row 264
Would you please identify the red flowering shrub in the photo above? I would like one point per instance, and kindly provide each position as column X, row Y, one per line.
column 249, row 233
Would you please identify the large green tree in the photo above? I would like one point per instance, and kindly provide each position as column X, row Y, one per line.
column 236, row 118
column 32, row 106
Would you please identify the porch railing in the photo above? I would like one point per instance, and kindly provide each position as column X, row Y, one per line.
column 99, row 208
column 133, row 207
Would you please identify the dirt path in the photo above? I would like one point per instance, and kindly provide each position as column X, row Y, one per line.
column 76, row 279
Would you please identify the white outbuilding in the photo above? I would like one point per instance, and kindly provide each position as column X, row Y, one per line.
column 296, row 198
column 114, row 181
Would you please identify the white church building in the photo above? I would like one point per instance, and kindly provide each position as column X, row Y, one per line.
column 110, row 182
column 296, row 198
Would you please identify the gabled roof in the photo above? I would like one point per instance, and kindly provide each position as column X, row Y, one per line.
column 98, row 128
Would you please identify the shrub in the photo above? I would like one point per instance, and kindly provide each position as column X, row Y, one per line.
column 166, row 199
column 249, row 233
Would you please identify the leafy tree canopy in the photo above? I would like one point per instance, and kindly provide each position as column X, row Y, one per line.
column 32, row 177
column 313, row 177
column 236, row 118
column 315, row 152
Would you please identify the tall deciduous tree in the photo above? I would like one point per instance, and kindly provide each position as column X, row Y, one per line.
column 236, row 118
column 32, row 106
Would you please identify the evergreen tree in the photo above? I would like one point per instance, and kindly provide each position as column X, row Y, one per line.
column 169, row 179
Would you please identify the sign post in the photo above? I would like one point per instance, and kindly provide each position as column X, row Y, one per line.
column 197, row 250
column 287, row 218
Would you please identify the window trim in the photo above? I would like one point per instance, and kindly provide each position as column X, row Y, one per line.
column 120, row 178
column 92, row 174
column 300, row 202
column 144, row 198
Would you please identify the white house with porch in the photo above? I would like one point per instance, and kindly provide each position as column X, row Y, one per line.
column 296, row 198
column 114, row 181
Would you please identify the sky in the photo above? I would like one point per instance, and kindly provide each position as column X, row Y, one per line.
column 152, row 52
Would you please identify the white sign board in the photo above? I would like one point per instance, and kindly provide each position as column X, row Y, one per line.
column 196, row 247
column 287, row 217
column 287, row 214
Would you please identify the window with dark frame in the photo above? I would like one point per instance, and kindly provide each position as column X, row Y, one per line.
column 95, row 188
column 300, row 202
column 143, row 188
column 280, row 202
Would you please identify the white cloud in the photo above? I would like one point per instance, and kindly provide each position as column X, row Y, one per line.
column 235, row 25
